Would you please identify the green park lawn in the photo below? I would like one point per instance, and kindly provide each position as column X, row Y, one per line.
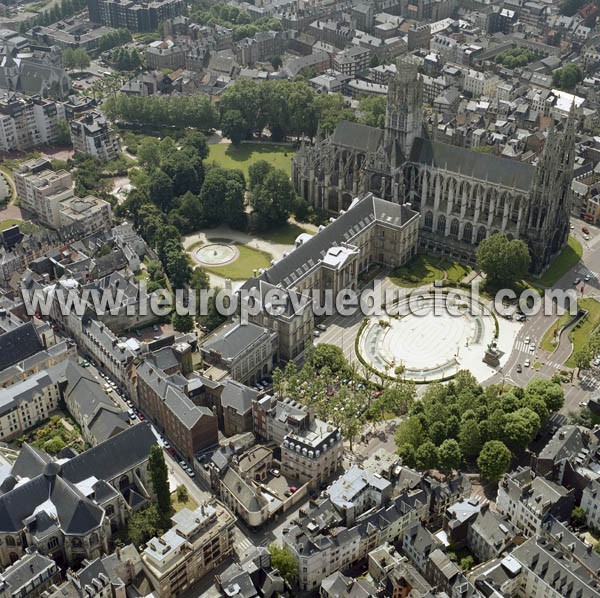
column 283, row 235
column 249, row 259
column 455, row 271
column 580, row 336
column 567, row 259
column 421, row 270
column 241, row 157
column 547, row 342
column 25, row 226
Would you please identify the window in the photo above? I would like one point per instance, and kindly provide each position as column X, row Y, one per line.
column 52, row 543
column 10, row 541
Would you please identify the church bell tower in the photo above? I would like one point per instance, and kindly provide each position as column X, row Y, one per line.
column 404, row 112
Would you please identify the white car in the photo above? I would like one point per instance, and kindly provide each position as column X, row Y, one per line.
column 532, row 347
column 527, row 339
column 527, row 363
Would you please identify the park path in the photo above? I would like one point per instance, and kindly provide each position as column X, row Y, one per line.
column 276, row 250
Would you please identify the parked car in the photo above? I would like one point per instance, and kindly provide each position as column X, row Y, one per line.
column 576, row 281
column 321, row 327
column 585, row 230
column 274, row 472
column 520, row 317
column 316, row 333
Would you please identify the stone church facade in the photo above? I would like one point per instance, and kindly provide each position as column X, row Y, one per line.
column 463, row 196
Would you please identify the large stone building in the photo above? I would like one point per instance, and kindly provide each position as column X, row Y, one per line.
column 463, row 196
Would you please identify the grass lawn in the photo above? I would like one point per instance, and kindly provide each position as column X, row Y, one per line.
column 568, row 258
column 421, row 270
column 547, row 343
column 284, row 235
column 249, row 259
column 454, row 270
column 580, row 336
column 190, row 503
column 25, row 226
column 241, row 157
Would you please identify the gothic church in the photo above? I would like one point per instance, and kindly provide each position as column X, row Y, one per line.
column 463, row 196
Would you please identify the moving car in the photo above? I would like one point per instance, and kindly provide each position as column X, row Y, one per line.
column 321, row 327
column 519, row 368
column 527, row 363
column 576, row 281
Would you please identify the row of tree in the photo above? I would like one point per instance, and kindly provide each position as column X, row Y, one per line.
column 118, row 37
column 194, row 111
column 462, row 418
column 336, row 393
column 59, row 10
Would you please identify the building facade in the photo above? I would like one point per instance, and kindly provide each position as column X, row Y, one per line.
column 91, row 135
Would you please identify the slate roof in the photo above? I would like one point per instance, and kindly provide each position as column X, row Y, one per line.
column 342, row 230
column 357, row 136
column 30, row 462
column 238, row 396
column 230, row 341
column 476, row 164
column 110, row 458
column 18, row 344
column 24, row 570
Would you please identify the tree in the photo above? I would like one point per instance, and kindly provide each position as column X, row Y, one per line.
column 449, row 455
column 182, row 323
column 504, row 261
column 406, row 452
column 578, row 516
column 494, row 460
column 521, row 427
column 583, row 359
column 257, row 173
column 234, row 126
column 427, row 455
column 326, row 355
column 283, row 560
column 410, row 431
column 159, row 476
column 568, row 76
column 147, row 153
column 161, row 190
column 144, row 525
column 182, row 494
column 550, row 391
column 274, row 200
column 469, row 438
column 197, row 140
column 276, row 62
column 64, row 134
column 467, row 562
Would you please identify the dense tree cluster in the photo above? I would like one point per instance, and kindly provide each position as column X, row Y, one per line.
column 516, row 57
column 568, row 76
column 457, row 421
column 180, row 111
column 504, row 261
column 113, row 39
column 76, row 58
column 332, row 387
column 285, row 108
column 232, row 17
column 272, row 194
column 127, row 60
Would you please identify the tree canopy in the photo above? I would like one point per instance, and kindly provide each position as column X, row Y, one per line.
column 504, row 261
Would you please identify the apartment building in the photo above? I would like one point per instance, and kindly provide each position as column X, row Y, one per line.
column 49, row 196
column 40, row 190
column 28, row 122
column 27, row 403
column 92, row 135
column 89, row 213
column 165, row 54
column 188, row 427
column 313, row 453
column 480, row 84
column 196, row 544
column 352, row 61
column 528, row 499
column 590, row 503
column 134, row 15
column 29, row 577
column 274, row 419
